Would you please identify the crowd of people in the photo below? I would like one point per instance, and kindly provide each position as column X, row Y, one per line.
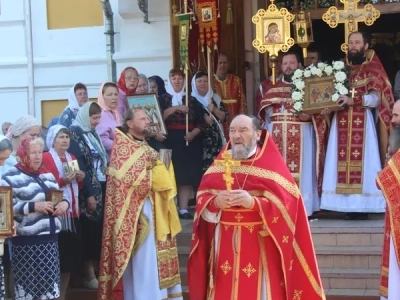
column 118, row 219
column 71, row 231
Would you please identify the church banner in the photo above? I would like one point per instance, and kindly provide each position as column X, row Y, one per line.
column 184, row 28
column 207, row 16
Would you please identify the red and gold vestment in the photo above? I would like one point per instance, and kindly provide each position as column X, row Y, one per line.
column 267, row 245
column 388, row 181
column 232, row 94
column 131, row 180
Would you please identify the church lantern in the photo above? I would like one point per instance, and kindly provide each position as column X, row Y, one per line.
column 303, row 32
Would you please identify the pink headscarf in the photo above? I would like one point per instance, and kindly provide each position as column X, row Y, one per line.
column 102, row 103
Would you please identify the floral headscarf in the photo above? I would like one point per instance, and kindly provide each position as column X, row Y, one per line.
column 24, row 162
column 122, row 83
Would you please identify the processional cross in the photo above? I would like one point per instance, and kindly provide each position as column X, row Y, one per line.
column 227, row 162
column 350, row 16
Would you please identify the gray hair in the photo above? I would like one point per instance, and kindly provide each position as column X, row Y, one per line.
column 394, row 140
column 5, row 144
column 255, row 121
column 37, row 141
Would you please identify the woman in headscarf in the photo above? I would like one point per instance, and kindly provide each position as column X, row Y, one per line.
column 34, row 251
column 214, row 114
column 69, row 239
column 5, row 151
column 77, row 96
column 92, row 158
column 186, row 147
column 160, row 85
column 25, row 127
column 110, row 118
column 143, row 86
column 127, row 84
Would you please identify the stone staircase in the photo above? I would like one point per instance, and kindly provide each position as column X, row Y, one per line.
column 348, row 254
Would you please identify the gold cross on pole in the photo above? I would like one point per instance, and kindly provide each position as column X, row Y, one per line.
column 227, row 162
column 350, row 16
column 353, row 92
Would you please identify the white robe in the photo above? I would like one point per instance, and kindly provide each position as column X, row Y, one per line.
column 308, row 173
column 394, row 275
column 371, row 200
column 140, row 279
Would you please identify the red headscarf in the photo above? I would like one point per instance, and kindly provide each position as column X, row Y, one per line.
column 122, row 83
column 24, row 163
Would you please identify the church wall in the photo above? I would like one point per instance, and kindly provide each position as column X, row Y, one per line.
column 64, row 56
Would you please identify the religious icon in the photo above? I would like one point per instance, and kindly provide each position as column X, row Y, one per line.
column 318, row 93
column 273, row 35
column 183, row 32
column 273, row 30
column 55, row 196
column 6, row 212
column 66, row 169
column 206, row 14
column 149, row 103
column 73, row 166
column 166, row 156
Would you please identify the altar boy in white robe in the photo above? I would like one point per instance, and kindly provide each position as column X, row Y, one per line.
column 139, row 259
column 389, row 182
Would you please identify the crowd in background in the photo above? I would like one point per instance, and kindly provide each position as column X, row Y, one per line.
column 55, row 240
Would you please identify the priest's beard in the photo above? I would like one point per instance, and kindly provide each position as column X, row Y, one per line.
column 242, row 151
column 356, row 58
column 288, row 77
column 141, row 132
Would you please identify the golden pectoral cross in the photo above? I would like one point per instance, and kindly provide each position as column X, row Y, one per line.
column 227, row 162
column 353, row 92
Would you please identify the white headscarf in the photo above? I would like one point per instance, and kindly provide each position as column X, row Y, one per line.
column 2, row 137
column 82, row 120
column 176, row 97
column 67, row 193
column 72, row 100
column 21, row 125
column 204, row 100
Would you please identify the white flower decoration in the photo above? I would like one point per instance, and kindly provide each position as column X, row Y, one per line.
column 296, row 96
column 321, row 65
column 299, row 84
column 328, row 70
column 343, row 90
column 307, row 73
column 318, row 72
column 335, row 97
column 338, row 85
column 338, row 65
column 298, row 106
column 340, row 76
column 313, row 70
column 297, row 74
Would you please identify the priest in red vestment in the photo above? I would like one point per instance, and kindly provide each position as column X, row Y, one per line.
column 359, row 135
column 139, row 257
column 252, row 241
column 230, row 88
column 388, row 181
column 300, row 138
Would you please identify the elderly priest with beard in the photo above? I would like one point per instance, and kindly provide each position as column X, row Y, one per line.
column 139, row 258
column 251, row 238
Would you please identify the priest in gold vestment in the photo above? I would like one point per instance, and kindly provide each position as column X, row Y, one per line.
column 251, row 238
column 139, row 259
column 358, row 137
column 230, row 88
